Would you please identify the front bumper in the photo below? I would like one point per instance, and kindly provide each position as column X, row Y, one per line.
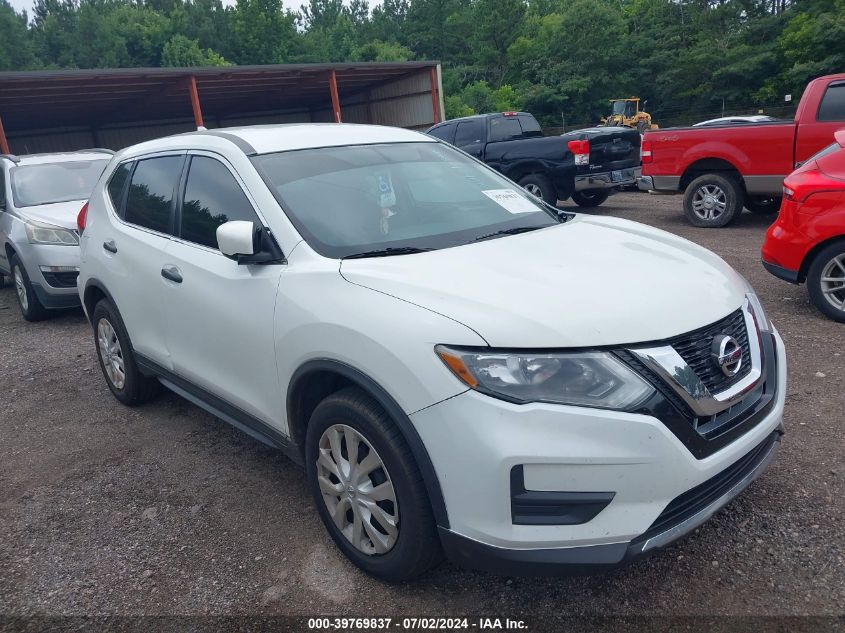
column 479, row 440
column 607, row 180
column 53, row 289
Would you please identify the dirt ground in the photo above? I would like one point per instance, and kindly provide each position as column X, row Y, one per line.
column 164, row 510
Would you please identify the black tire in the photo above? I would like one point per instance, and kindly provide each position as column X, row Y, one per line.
column 136, row 388
column 589, row 199
column 31, row 307
column 724, row 189
column 540, row 186
column 822, row 263
column 417, row 546
column 762, row 205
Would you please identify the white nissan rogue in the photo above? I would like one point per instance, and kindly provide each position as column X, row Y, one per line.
column 460, row 368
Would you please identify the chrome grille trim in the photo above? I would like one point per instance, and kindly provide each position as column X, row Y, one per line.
column 666, row 363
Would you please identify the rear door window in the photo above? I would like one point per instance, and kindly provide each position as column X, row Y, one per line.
column 2, row 187
column 212, row 197
column 117, row 187
column 832, row 107
column 505, row 128
column 149, row 202
column 469, row 132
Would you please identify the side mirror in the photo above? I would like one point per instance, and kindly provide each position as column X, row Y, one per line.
column 236, row 238
column 247, row 243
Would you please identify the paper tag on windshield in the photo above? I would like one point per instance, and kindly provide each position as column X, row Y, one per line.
column 511, row 200
column 387, row 196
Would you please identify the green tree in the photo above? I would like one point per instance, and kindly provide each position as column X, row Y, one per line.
column 180, row 51
column 16, row 49
column 264, row 33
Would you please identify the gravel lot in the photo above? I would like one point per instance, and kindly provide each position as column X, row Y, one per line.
column 164, row 510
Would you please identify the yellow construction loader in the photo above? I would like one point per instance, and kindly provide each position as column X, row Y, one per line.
column 626, row 112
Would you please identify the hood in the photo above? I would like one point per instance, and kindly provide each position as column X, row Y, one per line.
column 58, row 214
column 589, row 282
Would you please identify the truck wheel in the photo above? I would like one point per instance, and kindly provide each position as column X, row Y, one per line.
column 368, row 489
column 761, row 205
column 540, row 186
column 31, row 307
column 713, row 201
column 588, row 199
column 826, row 281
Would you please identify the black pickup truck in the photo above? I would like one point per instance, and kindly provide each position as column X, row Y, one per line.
column 585, row 165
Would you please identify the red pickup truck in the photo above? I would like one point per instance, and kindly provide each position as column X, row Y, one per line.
column 721, row 168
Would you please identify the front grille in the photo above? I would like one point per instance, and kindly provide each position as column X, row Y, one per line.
column 62, row 279
column 694, row 348
column 697, row 499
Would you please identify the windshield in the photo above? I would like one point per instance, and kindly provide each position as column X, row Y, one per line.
column 626, row 108
column 362, row 198
column 47, row 183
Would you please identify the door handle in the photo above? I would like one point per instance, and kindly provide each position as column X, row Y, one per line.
column 110, row 246
column 172, row 273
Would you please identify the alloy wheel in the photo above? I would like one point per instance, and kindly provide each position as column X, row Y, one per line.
column 709, row 202
column 534, row 189
column 20, row 288
column 357, row 490
column 833, row 282
column 111, row 354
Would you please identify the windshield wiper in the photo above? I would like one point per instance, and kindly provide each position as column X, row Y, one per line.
column 388, row 252
column 513, row 231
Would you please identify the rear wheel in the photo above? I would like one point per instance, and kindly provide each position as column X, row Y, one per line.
column 117, row 360
column 540, row 186
column 368, row 489
column 30, row 306
column 588, row 199
column 762, row 205
column 713, row 201
column 826, row 281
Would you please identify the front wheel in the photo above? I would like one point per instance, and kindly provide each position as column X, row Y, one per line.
column 30, row 306
column 540, row 186
column 368, row 489
column 826, row 281
column 713, row 201
column 588, row 199
column 762, row 205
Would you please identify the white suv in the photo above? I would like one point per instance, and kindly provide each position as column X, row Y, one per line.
column 459, row 367
column 40, row 197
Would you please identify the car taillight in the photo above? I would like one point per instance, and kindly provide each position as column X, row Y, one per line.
column 82, row 218
column 800, row 185
column 581, row 151
column 645, row 152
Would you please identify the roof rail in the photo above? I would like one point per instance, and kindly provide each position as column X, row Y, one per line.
column 11, row 157
column 105, row 150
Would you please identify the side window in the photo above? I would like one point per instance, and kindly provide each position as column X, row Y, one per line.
column 117, row 185
column 444, row 133
column 504, row 128
column 150, row 196
column 212, row 197
column 469, row 132
column 832, row 107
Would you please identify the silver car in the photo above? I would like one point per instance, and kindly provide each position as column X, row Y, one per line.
column 40, row 198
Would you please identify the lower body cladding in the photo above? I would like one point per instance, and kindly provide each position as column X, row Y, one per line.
column 542, row 488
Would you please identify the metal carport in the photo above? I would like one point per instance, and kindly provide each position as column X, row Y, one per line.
column 65, row 110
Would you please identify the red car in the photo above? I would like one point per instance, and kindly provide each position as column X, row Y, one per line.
column 807, row 242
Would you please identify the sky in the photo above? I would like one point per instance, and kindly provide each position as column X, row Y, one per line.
column 290, row 4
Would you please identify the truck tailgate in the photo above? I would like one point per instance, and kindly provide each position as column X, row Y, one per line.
column 610, row 147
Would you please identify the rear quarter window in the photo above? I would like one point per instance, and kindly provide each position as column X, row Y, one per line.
column 117, row 187
column 444, row 133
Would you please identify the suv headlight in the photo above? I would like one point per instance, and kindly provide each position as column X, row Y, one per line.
column 585, row 379
column 40, row 233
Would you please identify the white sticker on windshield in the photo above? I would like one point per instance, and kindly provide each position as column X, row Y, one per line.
column 511, row 200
